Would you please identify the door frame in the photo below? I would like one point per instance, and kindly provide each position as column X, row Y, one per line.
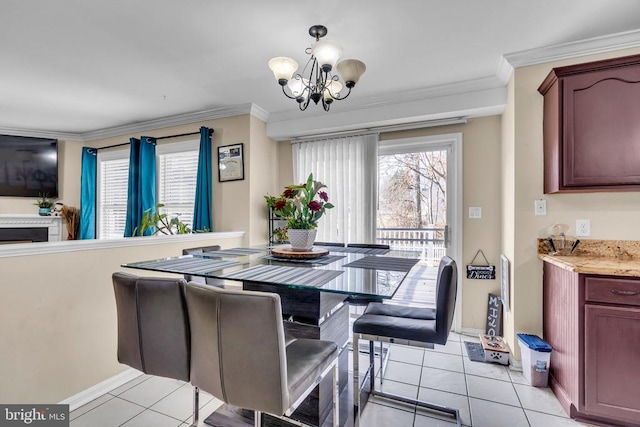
column 452, row 142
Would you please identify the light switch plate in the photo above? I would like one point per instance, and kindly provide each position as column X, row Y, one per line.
column 475, row 212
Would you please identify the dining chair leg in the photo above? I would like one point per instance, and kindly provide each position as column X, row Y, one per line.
column 257, row 419
column 196, row 407
column 381, row 362
column 336, row 396
column 372, row 366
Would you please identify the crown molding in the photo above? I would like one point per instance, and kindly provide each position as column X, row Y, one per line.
column 177, row 120
column 618, row 41
column 65, row 136
column 504, row 71
column 474, row 103
column 259, row 113
column 439, row 91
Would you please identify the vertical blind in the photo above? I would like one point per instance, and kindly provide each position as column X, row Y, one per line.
column 348, row 167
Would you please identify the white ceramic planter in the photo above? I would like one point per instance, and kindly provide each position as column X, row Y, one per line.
column 301, row 240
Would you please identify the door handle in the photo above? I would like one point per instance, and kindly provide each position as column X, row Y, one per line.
column 624, row 293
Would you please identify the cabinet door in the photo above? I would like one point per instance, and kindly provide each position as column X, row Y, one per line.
column 612, row 362
column 601, row 128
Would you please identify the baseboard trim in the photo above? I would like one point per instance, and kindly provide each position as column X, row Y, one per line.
column 92, row 393
column 471, row 332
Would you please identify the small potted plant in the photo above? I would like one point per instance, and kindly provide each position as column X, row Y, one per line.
column 301, row 206
column 45, row 203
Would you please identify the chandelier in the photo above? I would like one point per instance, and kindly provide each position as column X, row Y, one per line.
column 316, row 82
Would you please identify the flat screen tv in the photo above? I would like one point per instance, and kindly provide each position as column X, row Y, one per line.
column 28, row 166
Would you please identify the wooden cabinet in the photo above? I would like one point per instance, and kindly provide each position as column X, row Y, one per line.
column 593, row 324
column 591, row 127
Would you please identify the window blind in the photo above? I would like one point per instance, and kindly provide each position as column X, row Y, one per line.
column 176, row 180
column 112, row 211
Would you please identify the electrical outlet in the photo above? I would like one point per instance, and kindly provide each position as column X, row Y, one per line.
column 583, row 227
column 540, row 207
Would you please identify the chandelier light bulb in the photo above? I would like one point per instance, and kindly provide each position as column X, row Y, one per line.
column 327, row 53
column 332, row 91
column 298, row 86
column 351, row 70
column 283, row 68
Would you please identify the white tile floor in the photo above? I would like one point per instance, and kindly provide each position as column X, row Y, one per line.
column 487, row 395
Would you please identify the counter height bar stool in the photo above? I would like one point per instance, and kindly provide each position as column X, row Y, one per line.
column 240, row 355
column 421, row 327
column 153, row 328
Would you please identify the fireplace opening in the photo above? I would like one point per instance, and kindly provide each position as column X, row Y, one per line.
column 24, row 235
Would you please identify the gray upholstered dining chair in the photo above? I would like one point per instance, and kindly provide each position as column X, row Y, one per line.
column 153, row 327
column 239, row 353
column 199, row 279
column 413, row 326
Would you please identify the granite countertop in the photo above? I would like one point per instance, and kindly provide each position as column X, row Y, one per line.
column 603, row 257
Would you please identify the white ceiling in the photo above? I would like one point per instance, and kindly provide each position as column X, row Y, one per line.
column 78, row 66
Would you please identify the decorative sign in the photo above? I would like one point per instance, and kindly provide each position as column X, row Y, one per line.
column 494, row 315
column 484, row 272
column 231, row 162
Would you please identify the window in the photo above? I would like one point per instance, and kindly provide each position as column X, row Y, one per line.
column 177, row 168
column 113, row 174
column 177, row 171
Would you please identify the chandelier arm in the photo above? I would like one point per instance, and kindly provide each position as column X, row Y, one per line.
column 337, row 98
column 286, row 94
column 325, row 105
column 303, row 105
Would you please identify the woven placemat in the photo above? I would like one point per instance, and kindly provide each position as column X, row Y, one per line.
column 384, row 263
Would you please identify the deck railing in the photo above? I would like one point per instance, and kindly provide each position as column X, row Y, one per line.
column 430, row 241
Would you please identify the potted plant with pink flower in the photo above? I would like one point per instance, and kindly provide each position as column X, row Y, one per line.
column 301, row 206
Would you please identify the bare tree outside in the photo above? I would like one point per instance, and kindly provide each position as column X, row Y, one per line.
column 412, row 190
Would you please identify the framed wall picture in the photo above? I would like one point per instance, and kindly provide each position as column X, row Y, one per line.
column 231, row 162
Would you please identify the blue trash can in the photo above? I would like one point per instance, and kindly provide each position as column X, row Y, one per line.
column 536, row 358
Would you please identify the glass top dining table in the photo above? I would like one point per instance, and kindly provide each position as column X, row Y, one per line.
column 359, row 272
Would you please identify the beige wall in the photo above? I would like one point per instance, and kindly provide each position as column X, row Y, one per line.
column 263, row 171
column 58, row 318
column 481, row 182
column 612, row 215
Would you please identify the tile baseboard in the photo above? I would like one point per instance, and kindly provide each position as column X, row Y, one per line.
column 86, row 396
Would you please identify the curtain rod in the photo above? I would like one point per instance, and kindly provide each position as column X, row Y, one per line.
column 160, row 137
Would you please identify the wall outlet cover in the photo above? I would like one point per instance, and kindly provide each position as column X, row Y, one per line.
column 583, row 227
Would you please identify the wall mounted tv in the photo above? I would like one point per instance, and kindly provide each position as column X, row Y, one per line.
column 28, row 166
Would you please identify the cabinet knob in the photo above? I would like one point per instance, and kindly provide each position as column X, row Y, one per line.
column 624, row 292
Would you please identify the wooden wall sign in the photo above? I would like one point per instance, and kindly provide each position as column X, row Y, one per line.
column 494, row 315
column 481, row 271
